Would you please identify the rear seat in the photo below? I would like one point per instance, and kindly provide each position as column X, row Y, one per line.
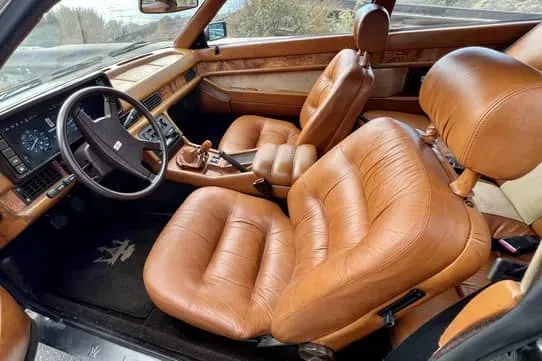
column 512, row 208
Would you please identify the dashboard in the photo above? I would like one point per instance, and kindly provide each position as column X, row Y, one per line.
column 28, row 133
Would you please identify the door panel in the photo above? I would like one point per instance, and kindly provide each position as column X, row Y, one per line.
column 272, row 77
column 215, row 98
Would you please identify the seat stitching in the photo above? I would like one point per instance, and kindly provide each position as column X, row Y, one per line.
column 230, row 212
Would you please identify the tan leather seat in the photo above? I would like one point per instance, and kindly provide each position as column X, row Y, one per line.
column 379, row 215
column 334, row 102
column 498, row 208
column 14, row 329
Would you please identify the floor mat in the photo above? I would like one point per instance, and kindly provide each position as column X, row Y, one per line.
column 104, row 267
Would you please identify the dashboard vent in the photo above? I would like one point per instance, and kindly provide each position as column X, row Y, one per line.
column 38, row 183
column 153, row 101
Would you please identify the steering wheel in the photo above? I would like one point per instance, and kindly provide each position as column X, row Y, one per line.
column 111, row 141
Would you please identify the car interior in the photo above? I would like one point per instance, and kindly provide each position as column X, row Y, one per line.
column 375, row 195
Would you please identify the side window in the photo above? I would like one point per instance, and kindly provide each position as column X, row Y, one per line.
column 241, row 20
column 246, row 19
column 424, row 13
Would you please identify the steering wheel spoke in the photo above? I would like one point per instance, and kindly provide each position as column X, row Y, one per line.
column 110, row 140
column 111, row 108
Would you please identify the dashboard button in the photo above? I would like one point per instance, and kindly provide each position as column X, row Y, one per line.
column 53, row 193
column 8, row 153
column 3, row 144
column 61, row 187
column 15, row 161
column 69, row 180
column 21, row 169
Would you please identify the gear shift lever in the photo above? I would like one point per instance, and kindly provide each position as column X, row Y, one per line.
column 196, row 157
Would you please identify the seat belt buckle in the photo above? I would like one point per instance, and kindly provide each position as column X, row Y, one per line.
column 518, row 245
column 263, row 187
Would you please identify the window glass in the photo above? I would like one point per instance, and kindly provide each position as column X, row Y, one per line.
column 246, row 19
column 86, row 34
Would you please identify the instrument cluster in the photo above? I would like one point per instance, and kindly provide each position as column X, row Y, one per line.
column 28, row 134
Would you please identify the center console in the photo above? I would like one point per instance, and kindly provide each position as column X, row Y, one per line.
column 268, row 171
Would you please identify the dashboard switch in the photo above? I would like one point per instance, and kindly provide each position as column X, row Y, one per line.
column 3, row 144
column 53, row 193
column 15, row 161
column 21, row 169
column 8, row 153
column 69, row 180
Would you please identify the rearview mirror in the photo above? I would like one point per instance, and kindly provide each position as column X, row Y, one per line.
column 216, row 31
column 166, row 6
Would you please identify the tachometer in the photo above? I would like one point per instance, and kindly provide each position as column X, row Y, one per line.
column 36, row 141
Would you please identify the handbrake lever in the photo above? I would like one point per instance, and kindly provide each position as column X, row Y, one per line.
column 233, row 162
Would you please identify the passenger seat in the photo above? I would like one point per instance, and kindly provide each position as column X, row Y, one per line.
column 512, row 208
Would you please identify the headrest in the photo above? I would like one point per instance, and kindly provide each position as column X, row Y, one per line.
column 371, row 28
column 487, row 107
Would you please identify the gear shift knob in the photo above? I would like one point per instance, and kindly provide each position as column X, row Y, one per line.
column 206, row 146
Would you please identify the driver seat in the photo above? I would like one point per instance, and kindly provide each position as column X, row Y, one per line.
column 334, row 102
column 378, row 219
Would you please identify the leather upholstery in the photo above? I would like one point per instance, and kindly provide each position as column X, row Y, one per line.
column 352, row 235
column 501, row 227
column 360, row 217
column 527, row 49
column 476, row 112
column 283, row 164
column 335, row 100
column 14, row 329
column 416, row 121
column 371, row 26
column 251, row 131
column 221, row 262
column 492, row 302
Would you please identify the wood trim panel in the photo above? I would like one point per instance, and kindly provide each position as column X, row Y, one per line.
column 147, row 75
column 217, row 98
column 277, row 63
column 16, row 216
column 278, row 47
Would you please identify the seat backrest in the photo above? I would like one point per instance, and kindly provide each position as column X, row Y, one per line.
column 528, row 48
column 376, row 219
column 340, row 93
column 14, row 329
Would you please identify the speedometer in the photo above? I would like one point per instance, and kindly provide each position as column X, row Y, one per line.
column 35, row 140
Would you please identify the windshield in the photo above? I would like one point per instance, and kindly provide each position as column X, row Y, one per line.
column 78, row 35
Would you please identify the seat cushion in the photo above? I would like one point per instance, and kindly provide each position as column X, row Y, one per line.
column 221, row 262
column 417, row 121
column 251, row 131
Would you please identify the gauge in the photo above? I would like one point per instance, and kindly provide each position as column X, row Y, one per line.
column 36, row 141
